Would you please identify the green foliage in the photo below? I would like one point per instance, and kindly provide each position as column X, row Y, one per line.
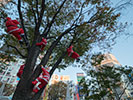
column 57, row 90
column 87, row 35
column 8, row 89
column 103, row 81
column 5, row 60
column 92, row 22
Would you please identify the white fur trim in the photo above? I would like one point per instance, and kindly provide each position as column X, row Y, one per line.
column 44, row 43
column 45, row 79
column 13, row 30
column 37, row 80
column 38, row 88
column 71, row 53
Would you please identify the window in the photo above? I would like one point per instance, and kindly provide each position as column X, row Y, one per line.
column 8, row 74
column 109, row 57
column 12, row 80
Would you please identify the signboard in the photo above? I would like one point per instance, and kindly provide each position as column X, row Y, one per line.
column 56, row 78
column 79, row 76
column 64, row 78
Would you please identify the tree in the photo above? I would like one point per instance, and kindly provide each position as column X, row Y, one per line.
column 105, row 82
column 8, row 89
column 57, row 90
column 83, row 23
column 4, row 60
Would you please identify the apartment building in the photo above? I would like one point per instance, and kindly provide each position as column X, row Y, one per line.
column 8, row 74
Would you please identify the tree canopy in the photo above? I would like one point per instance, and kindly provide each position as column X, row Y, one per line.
column 103, row 82
column 82, row 23
column 57, row 90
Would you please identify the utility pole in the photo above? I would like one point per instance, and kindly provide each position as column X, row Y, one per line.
column 2, row 89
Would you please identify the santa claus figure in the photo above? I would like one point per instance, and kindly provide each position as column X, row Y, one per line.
column 20, row 71
column 72, row 54
column 42, row 44
column 13, row 29
column 42, row 80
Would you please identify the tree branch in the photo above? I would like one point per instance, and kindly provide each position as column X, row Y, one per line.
column 40, row 17
column 48, row 53
column 57, row 63
column 33, row 13
column 17, row 51
column 50, row 37
column 37, row 8
column 60, row 58
column 21, row 17
column 17, row 4
column 36, row 96
column 47, row 29
column 122, row 5
column 80, row 13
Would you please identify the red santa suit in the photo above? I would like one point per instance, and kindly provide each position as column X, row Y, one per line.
column 20, row 71
column 13, row 29
column 43, row 79
column 42, row 43
column 72, row 54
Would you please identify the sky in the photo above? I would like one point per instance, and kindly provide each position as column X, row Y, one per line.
column 122, row 50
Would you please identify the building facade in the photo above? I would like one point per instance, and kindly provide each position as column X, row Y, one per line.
column 3, row 2
column 9, row 73
column 110, row 60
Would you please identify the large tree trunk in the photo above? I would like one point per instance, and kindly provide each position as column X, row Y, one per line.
column 24, row 87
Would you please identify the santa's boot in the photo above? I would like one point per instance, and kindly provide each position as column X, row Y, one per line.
column 21, row 42
column 34, row 82
column 35, row 90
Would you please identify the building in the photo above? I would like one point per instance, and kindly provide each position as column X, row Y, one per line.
column 110, row 60
column 4, row 2
column 8, row 74
column 79, row 77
